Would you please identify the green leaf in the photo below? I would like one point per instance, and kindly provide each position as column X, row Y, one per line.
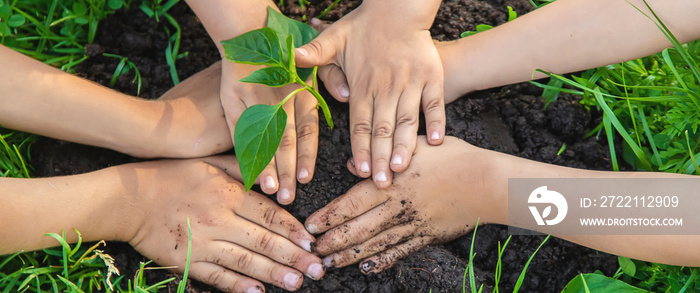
column 257, row 47
column 599, row 284
column 285, row 26
column 627, row 266
column 511, row 14
column 5, row 11
column 269, row 76
column 16, row 20
column 257, row 136
column 115, row 4
column 291, row 63
column 79, row 8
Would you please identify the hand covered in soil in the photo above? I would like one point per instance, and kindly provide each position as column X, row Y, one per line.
column 237, row 237
column 386, row 67
column 426, row 204
column 296, row 157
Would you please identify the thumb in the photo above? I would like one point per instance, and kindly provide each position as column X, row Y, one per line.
column 335, row 81
column 321, row 51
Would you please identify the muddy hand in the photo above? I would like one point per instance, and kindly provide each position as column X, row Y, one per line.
column 426, row 204
column 391, row 69
column 296, row 157
column 238, row 238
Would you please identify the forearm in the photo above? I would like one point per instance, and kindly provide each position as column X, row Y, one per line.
column 668, row 249
column 562, row 37
column 224, row 19
column 96, row 204
column 40, row 99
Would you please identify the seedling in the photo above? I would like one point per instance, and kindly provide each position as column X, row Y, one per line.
column 123, row 68
column 259, row 130
column 484, row 27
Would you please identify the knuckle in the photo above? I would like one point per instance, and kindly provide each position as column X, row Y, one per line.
column 245, row 259
column 362, row 234
column 266, row 242
column 434, row 106
column 383, row 129
column 407, row 120
column 214, row 278
column 355, row 205
column 362, row 128
column 307, row 132
column 270, row 215
column 287, row 143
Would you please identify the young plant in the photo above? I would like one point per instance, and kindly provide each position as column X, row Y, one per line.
column 260, row 128
column 484, row 27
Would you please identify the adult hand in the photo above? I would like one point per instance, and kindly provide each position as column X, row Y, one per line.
column 426, row 204
column 386, row 67
column 296, row 157
column 237, row 237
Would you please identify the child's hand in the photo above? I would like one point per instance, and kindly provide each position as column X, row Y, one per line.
column 426, row 204
column 296, row 156
column 391, row 68
column 237, row 237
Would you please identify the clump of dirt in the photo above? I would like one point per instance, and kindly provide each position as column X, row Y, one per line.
column 509, row 119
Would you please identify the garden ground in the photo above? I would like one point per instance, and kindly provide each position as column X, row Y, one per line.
column 509, row 119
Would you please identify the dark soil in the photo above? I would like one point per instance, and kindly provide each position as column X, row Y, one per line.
column 509, row 119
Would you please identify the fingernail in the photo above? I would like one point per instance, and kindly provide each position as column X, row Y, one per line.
column 303, row 174
column 311, row 228
column 397, row 160
column 381, row 177
column 255, row 289
column 364, row 167
column 328, row 261
column 301, row 51
column 315, row 21
column 315, row 271
column 344, row 91
column 269, row 182
column 291, row 280
column 435, row 135
column 306, row 245
column 284, row 195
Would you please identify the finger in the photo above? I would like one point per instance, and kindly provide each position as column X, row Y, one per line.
column 377, row 244
column 386, row 260
column 360, row 199
column 262, row 211
column 320, row 51
column 383, row 124
column 307, row 136
column 361, row 109
column 265, row 242
column 227, row 163
column 406, row 129
column 268, row 178
column 335, row 81
column 358, row 230
column 286, row 158
column 239, row 259
column 434, row 109
column 319, row 25
column 223, row 278
column 351, row 166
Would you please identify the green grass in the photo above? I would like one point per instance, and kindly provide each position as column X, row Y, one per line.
column 498, row 272
column 54, row 32
column 57, row 33
column 653, row 105
column 159, row 9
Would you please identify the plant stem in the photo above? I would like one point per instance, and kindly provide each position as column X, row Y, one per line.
column 321, row 101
